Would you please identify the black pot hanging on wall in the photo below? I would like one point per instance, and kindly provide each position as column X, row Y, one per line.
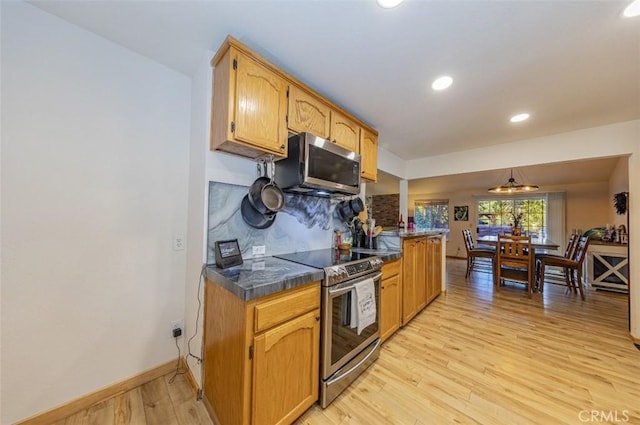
column 620, row 202
column 255, row 218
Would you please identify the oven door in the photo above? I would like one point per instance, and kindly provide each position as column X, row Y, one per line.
column 341, row 341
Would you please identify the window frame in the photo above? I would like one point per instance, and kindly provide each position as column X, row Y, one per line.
column 543, row 230
column 430, row 203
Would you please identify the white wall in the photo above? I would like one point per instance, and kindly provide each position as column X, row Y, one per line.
column 619, row 182
column 94, row 186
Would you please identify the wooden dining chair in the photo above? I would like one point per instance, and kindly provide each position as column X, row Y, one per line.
column 568, row 254
column 474, row 252
column 572, row 266
column 514, row 261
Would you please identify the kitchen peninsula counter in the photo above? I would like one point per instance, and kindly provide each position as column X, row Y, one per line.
column 413, row 233
column 392, row 239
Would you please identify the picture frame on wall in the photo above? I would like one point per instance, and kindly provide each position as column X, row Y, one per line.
column 461, row 213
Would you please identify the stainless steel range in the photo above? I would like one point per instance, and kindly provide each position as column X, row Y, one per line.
column 346, row 350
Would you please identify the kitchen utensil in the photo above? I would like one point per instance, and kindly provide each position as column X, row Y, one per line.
column 364, row 214
column 365, row 228
column 253, row 217
column 265, row 196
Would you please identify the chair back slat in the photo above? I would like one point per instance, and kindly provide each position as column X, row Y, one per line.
column 468, row 239
column 581, row 250
column 571, row 246
column 514, row 247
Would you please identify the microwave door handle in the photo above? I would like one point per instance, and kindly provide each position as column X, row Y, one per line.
column 346, row 289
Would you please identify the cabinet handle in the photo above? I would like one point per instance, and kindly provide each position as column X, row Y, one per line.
column 281, row 147
column 334, row 141
column 317, row 318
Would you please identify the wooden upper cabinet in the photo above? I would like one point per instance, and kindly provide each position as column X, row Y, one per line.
column 369, row 154
column 345, row 132
column 249, row 107
column 308, row 113
column 252, row 116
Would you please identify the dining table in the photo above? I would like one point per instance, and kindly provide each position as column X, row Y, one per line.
column 537, row 243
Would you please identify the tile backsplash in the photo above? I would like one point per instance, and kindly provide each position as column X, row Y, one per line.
column 304, row 223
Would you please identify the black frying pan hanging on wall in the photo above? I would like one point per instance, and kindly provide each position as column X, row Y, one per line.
column 253, row 217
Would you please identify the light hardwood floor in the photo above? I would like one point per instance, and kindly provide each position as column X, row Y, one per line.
column 474, row 356
column 158, row 402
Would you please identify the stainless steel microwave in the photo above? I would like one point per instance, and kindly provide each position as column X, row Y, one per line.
column 318, row 167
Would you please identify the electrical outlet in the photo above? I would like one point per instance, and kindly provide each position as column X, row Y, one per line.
column 177, row 324
column 258, row 250
column 178, row 243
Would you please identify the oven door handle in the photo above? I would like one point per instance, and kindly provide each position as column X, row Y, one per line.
column 347, row 373
column 346, row 289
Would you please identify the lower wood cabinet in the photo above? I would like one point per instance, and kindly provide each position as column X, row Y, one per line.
column 285, row 370
column 421, row 274
column 390, row 299
column 434, row 268
column 413, row 275
column 261, row 357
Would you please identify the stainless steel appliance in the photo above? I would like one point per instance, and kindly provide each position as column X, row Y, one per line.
column 344, row 354
column 316, row 166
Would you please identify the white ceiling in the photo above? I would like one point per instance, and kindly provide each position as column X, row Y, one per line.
column 572, row 64
column 545, row 175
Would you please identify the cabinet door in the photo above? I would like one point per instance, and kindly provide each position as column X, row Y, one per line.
column 369, row 154
column 434, row 268
column 345, row 132
column 286, row 370
column 408, row 280
column 421, row 274
column 260, row 106
column 308, row 113
column 390, row 311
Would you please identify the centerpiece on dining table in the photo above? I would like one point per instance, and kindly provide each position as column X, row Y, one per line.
column 516, row 230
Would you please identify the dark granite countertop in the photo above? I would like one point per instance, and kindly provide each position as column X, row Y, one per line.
column 384, row 254
column 259, row 277
column 414, row 233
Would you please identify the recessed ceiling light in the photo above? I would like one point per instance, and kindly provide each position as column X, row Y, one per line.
column 632, row 10
column 388, row 4
column 520, row 117
column 442, row 83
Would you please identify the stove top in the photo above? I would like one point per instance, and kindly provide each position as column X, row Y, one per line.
column 324, row 258
column 338, row 266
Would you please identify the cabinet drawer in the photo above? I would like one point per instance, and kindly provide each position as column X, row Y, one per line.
column 391, row 269
column 286, row 307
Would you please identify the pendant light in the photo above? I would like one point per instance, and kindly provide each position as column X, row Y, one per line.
column 512, row 186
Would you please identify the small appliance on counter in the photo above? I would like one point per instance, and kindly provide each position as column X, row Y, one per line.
column 227, row 253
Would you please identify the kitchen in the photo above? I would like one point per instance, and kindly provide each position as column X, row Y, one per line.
column 116, row 185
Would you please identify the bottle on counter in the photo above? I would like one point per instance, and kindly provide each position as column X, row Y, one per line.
column 401, row 223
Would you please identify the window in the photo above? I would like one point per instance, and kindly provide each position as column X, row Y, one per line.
column 432, row 214
column 496, row 216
